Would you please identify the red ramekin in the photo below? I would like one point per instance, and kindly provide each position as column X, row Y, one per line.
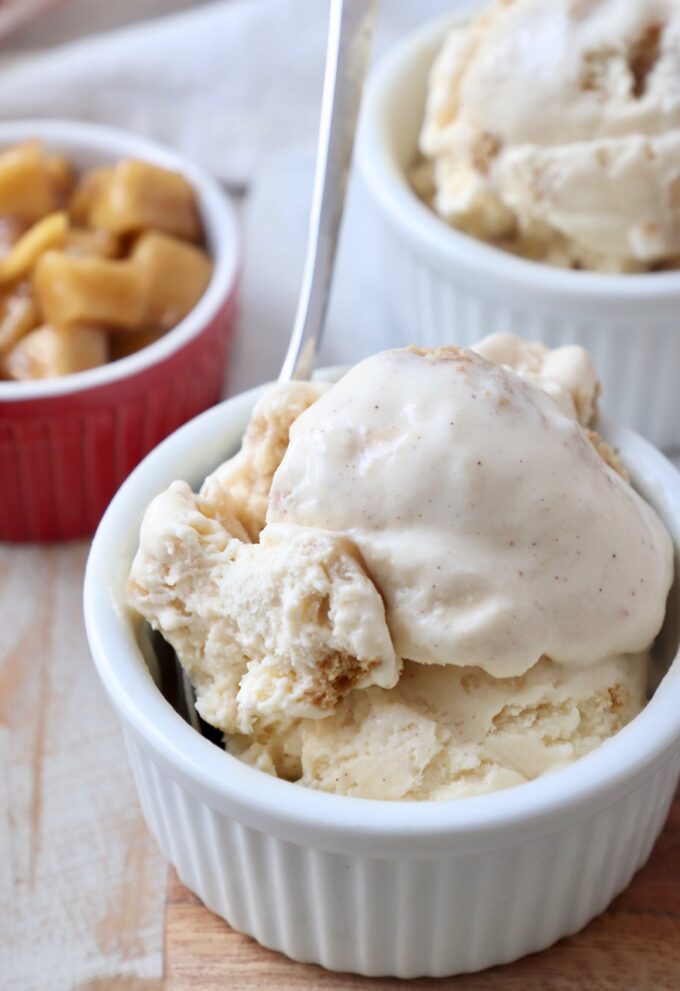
column 66, row 444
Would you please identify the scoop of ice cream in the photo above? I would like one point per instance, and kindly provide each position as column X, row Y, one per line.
column 491, row 526
column 284, row 628
column 567, row 373
column 456, row 732
column 240, row 487
column 556, row 126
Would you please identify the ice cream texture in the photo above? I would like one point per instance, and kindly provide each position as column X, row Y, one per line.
column 285, row 627
column 493, row 529
column 454, row 590
column 457, row 732
column 553, row 130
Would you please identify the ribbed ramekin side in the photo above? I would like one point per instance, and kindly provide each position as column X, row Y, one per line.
column 637, row 361
column 408, row 917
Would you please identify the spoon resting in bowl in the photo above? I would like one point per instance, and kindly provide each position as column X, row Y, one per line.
column 350, row 33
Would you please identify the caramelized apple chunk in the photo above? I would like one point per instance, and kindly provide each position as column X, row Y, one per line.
column 11, row 229
column 89, row 290
column 175, row 274
column 123, row 345
column 18, row 315
column 85, row 241
column 48, row 352
column 135, row 196
column 32, row 184
column 89, row 186
column 44, row 235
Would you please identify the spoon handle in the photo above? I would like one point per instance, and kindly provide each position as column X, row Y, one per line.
column 350, row 32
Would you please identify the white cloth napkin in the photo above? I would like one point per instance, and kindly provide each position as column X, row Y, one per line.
column 227, row 83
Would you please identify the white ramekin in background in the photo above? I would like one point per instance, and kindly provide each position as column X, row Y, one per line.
column 444, row 286
column 380, row 888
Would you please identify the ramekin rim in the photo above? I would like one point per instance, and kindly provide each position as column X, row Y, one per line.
column 225, row 249
column 390, row 186
column 117, row 658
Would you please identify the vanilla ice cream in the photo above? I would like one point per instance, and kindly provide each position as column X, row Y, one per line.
column 567, row 373
column 285, row 627
column 454, row 590
column 490, row 524
column 240, row 487
column 553, row 130
column 448, row 734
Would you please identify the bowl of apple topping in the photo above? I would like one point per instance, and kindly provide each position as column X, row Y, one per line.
column 118, row 276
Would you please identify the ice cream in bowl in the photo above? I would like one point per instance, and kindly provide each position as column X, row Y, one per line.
column 523, row 159
column 428, row 605
column 553, row 131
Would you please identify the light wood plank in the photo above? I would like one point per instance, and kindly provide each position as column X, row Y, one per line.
column 81, row 882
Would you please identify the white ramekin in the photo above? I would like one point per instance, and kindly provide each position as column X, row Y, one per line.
column 446, row 287
column 380, row 888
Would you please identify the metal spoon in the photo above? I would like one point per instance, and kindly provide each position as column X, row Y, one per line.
column 350, row 33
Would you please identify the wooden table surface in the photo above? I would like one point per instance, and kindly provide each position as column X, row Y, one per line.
column 82, row 885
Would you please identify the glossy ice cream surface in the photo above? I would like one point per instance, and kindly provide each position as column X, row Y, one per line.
column 454, row 591
column 554, row 130
column 488, row 521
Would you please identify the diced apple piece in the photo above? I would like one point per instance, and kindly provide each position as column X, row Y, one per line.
column 175, row 274
column 89, row 186
column 30, row 187
column 49, row 352
column 44, row 235
column 85, row 241
column 89, row 290
column 61, row 174
column 123, row 345
column 11, row 229
column 136, row 196
column 18, row 315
